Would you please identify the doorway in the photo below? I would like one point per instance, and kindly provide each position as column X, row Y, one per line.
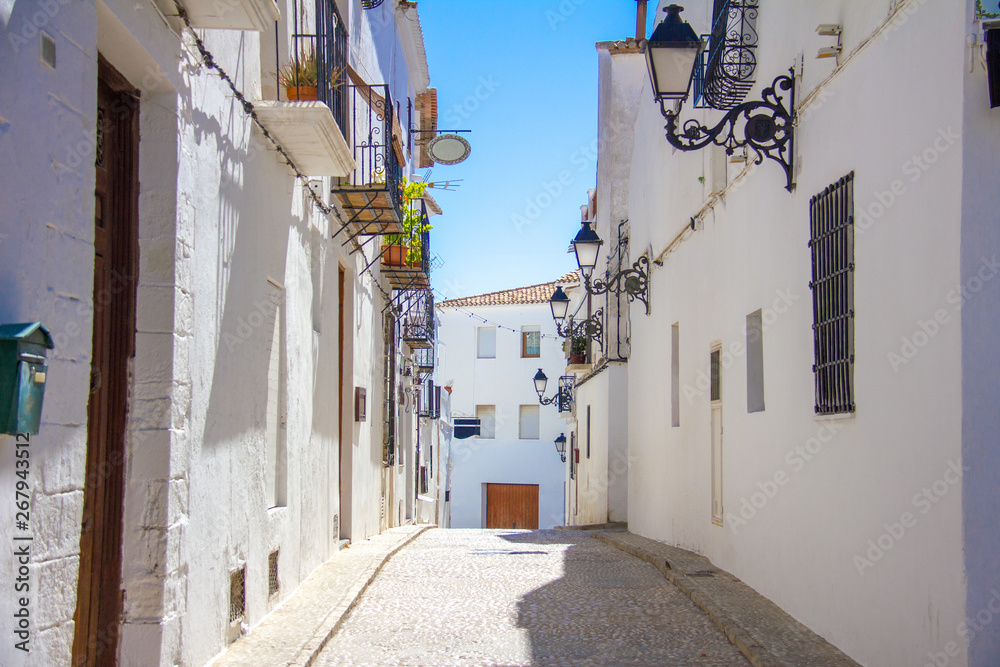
column 116, row 253
column 715, row 362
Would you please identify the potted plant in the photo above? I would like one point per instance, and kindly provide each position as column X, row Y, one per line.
column 578, row 351
column 299, row 78
column 404, row 249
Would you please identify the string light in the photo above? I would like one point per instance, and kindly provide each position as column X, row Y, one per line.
column 488, row 322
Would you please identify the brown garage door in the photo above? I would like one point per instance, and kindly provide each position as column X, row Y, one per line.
column 512, row 506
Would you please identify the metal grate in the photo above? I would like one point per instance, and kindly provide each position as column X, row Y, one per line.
column 336, row 526
column 831, row 224
column 273, row 585
column 237, row 594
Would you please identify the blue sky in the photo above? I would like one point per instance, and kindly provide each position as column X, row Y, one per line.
column 522, row 75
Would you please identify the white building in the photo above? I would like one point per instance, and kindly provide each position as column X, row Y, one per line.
column 510, row 476
column 226, row 399
column 859, row 498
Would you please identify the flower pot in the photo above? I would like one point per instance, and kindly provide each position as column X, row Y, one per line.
column 578, row 358
column 303, row 93
column 395, row 255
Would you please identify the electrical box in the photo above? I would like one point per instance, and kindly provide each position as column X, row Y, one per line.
column 23, row 350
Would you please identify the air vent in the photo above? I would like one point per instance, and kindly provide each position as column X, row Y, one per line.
column 273, row 585
column 336, row 527
column 237, row 594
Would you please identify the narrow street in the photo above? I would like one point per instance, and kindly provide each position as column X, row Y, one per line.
column 547, row 597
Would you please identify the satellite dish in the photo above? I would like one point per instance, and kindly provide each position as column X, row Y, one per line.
column 448, row 149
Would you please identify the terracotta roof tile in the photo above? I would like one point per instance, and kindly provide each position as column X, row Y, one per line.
column 518, row 295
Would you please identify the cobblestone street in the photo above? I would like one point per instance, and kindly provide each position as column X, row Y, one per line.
column 489, row 597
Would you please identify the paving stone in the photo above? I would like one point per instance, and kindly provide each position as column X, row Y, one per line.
column 487, row 597
column 765, row 633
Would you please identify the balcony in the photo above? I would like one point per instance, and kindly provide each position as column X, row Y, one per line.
column 424, row 360
column 417, row 319
column 370, row 194
column 406, row 260
column 430, row 401
column 232, row 14
column 309, row 122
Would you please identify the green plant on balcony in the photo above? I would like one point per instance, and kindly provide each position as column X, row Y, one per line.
column 578, row 350
column 981, row 13
column 300, row 78
column 413, row 226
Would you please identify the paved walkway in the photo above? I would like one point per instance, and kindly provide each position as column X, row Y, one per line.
column 486, row 597
column 294, row 632
column 764, row 632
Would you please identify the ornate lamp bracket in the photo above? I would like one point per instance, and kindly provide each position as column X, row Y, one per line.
column 591, row 328
column 764, row 125
column 634, row 282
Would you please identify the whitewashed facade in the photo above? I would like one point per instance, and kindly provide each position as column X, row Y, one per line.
column 874, row 527
column 483, row 363
column 233, row 449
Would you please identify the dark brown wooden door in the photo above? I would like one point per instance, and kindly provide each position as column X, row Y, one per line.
column 512, row 506
column 99, row 597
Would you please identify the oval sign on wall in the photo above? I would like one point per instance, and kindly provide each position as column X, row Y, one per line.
column 448, row 149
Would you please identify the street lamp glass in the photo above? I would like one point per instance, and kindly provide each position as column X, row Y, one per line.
column 561, row 443
column 540, row 382
column 560, row 304
column 672, row 55
column 587, row 245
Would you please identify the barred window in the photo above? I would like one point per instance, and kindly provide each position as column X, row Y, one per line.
column 831, row 226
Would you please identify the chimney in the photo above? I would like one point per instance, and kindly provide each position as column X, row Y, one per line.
column 640, row 20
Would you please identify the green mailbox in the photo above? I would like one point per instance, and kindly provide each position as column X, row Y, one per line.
column 22, row 376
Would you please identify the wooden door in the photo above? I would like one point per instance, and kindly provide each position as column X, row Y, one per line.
column 512, row 506
column 99, row 595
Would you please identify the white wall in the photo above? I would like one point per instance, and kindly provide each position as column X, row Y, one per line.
column 505, row 382
column 801, row 542
column 219, row 214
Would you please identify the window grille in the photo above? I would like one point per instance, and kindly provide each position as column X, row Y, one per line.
column 237, row 594
column 272, row 574
column 831, row 226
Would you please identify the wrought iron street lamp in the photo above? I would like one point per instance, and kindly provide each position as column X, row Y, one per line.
column 634, row 281
column 764, row 125
column 672, row 56
column 563, row 398
column 591, row 328
column 561, row 446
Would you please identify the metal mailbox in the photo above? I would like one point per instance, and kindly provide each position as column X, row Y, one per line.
column 23, row 349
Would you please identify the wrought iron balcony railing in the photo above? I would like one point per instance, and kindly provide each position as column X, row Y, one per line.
column 318, row 67
column 407, row 261
column 418, row 319
column 371, row 196
column 430, row 400
column 424, row 359
column 731, row 59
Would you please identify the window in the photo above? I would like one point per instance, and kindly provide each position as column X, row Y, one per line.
column 675, row 375
column 831, row 240
column 715, row 364
column 755, row 362
column 486, row 342
column 487, row 415
column 572, row 455
column 531, row 342
column 588, row 431
column 528, row 429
